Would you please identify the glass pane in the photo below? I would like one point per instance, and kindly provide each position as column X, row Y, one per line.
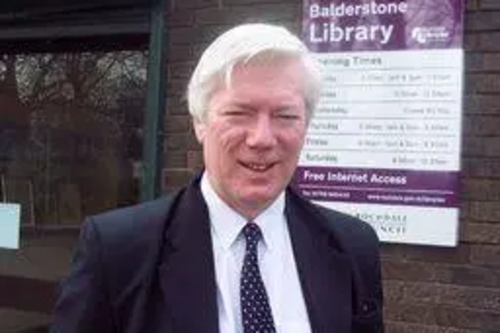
column 70, row 147
column 70, row 132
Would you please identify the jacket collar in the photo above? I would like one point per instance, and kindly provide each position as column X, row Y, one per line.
column 186, row 272
column 187, row 275
column 324, row 269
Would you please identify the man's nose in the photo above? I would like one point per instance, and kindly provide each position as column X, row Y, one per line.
column 261, row 133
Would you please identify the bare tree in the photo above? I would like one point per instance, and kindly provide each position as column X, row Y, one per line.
column 85, row 110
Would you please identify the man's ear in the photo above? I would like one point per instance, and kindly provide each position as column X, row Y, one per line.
column 200, row 129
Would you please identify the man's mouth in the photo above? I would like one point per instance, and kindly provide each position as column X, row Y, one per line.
column 257, row 167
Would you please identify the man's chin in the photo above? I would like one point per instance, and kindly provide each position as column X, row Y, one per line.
column 259, row 200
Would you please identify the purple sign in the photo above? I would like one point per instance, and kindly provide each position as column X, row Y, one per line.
column 384, row 142
column 332, row 26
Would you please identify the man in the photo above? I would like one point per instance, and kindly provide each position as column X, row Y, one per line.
column 236, row 250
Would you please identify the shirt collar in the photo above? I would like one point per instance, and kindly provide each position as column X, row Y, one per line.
column 226, row 223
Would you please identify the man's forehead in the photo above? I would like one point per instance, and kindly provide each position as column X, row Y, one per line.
column 266, row 60
column 273, row 68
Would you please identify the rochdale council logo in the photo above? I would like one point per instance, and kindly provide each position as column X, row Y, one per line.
column 425, row 35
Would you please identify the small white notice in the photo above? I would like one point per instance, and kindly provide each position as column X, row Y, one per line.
column 10, row 218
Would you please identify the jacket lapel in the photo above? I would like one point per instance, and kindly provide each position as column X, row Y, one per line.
column 187, row 276
column 186, row 273
column 324, row 270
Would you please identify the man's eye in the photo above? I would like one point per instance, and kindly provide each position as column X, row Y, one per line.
column 236, row 113
column 287, row 116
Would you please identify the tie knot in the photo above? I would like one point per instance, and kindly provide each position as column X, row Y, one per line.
column 252, row 233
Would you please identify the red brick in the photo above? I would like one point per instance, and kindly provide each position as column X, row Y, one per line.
column 194, row 35
column 474, row 61
column 176, row 105
column 479, row 298
column 176, row 141
column 174, row 178
column 482, row 21
column 481, row 189
column 177, row 85
column 482, row 104
column 490, row 4
column 482, row 62
column 195, row 160
column 481, row 146
column 481, row 167
column 487, row 211
column 410, row 312
column 485, row 255
column 481, row 233
column 181, row 5
column 471, row 42
column 492, row 61
column 423, row 292
column 431, row 314
column 470, row 297
column 179, row 18
column 487, row 321
column 475, row 275
column 403, row 327
column 177, row 124
column 181, row 70
column 482, row 83
column 472, row 5
column 184, row 52
column 488, row 41
column 414, row 271
column 232, row 15
column 393, row 290
column 428, row 254
column 261, row 2
column 175, row 160
column 481, row 125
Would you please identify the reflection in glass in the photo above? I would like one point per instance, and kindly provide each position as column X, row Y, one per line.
column 70, row 132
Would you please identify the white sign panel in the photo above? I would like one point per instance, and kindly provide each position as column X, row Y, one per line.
column 10, row 219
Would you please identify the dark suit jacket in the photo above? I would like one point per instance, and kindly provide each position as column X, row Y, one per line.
column 149, row 268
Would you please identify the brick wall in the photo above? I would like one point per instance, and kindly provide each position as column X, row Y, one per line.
column 427, row 289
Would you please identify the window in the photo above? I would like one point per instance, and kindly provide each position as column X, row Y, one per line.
column 70, row 133
column 73, row 89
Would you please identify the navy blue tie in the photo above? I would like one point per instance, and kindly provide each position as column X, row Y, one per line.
column 255, row 309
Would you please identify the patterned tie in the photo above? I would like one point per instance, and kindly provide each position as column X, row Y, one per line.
column 255, row 310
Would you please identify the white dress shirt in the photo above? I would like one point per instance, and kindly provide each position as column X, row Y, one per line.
column 276, row 262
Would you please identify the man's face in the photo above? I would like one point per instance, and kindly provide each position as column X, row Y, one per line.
column 254, row 133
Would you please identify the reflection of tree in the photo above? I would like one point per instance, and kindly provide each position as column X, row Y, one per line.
column 85, row 111
column 8, row 82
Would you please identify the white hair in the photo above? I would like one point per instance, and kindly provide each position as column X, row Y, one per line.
column 244, row 44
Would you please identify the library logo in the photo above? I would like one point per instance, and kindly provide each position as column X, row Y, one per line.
column 426, row 35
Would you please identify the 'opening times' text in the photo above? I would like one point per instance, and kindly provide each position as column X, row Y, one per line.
column 399, row 110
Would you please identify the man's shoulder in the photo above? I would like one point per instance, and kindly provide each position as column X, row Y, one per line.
column 352, row 233
column 345, row 223
column 127, row 240
column 348, row 229
column 134, row 223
